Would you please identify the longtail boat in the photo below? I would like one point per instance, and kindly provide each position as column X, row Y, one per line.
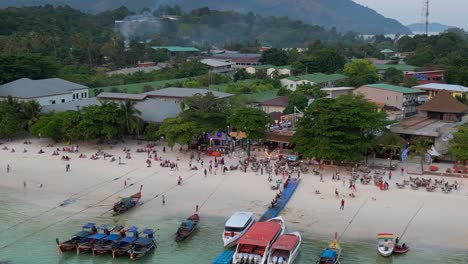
column 385, row 244
column 122, row 247
column 76, row 238
column 87, row 243
column 143, row 245
column 106, row 244
column 187, row 227
column 127, row 203
column 331, row 255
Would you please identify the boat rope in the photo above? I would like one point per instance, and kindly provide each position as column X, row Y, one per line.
column 73, row 196
column 411, row 220
column 166, row 191
column 213, row 192
column 72, row 215
column 352, row 219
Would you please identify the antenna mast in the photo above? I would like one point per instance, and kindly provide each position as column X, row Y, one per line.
column 426, row 7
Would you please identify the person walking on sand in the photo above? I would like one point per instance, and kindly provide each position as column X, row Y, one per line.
column 67, row 168
column 8, row 168
column 402, row 172
column 163, row 200
column 342, row 204
column 125, row 184
column 205, row 172
column 321, row 177
column 164, row 149
column 337, row 195
column 389, row 175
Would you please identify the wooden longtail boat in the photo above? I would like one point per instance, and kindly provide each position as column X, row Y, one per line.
column 127, row 203
column 76, row 238
column 142, row 246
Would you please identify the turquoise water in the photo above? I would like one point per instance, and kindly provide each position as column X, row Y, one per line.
column 202, row 247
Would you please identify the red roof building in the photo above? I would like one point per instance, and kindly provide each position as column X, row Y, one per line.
column 424, row 77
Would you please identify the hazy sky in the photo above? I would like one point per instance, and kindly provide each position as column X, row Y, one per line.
column 448, row 12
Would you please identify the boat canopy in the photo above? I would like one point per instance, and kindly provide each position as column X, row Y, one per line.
column 97, row 236
column 132, row 229
column 148, row 231
column 239, row 219
column 104, row 227
column 385, row 236
column 329, row 254
column 112, row 237
column 286, row 242
column 261, row 234
column 89, row 225
column 189, row 224
column 144, row 241
column 128, row 239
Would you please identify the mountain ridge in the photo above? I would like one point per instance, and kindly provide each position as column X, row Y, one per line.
column 433, row 27
column 345, row 15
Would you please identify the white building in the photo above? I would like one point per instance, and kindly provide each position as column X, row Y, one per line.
column 218, row 66
column 270, row 69
column 45, row 92
column 320, row 79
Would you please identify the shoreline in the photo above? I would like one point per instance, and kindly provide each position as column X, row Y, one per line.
column 219, row 195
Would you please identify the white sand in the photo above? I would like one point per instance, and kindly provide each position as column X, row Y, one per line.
column 441, row 221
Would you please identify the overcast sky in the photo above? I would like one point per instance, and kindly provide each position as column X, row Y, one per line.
column 448, row 12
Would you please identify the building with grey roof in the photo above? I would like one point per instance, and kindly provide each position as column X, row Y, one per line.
column 178, row 94
column 218, row 66
column 45, row 92
column 121, row 96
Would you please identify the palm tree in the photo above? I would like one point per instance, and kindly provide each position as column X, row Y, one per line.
column 390, row 142
column 131, row 117
column 419, row 148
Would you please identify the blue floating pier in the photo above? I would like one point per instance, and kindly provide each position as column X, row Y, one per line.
column 224, row 258
column 282, row 200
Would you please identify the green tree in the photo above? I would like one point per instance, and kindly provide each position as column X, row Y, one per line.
column 152, row 132
column 409, row 81
column 252, row 122
column 311, row 90
column 458, row 146
column 275, row 57
column 327, row 61
column 178, row 131
column 423, row 55
column 11, row 120
column 419, row 148
column 30, row 111
column 242, row 74
column 131, row 117
column 298, row 100
column 361, row 72
column 101, row 122
column 406, row 44
column 283, row 91
column 393, row 76
column 339, row 129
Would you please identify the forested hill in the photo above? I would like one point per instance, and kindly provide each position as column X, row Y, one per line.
column 345, row 15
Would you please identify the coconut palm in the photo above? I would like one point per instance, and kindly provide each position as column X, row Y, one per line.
column 31, row 111
column 131, row 117
column 419, row 148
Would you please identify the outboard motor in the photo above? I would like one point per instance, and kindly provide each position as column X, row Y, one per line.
column 258, row 259
column 274, row 260
column 251, row 258
column 281, row 260
column 242, row 257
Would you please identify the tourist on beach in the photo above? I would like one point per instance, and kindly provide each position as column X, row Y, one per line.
column 179, row 181
column 321, row 177
column 402, row 172
column 205, row 172
column 8, row 168
column 164, row 149
column 67, row 168
column 337, row 194
column 386, row 185
column 24, row 184
column 125, row 183
column 342, row 204
column 389, row 175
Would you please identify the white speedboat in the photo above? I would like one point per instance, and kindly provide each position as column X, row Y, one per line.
column 385, row 244
column 236, row 226
column 285, row 249
column 255, row 245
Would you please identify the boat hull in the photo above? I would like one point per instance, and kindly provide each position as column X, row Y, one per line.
column 64, row 247
column 385, row 253
column 134, row 255
column 400, row 250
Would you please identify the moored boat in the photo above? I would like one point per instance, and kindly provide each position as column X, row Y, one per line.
column 385, row 244
column 255, row 245
column 127, row 203
column 123, row 246
column 143, row 245
column 236, row 226
column 187, row 227
column 87, row 243
column 76, row 238
column 331, row 255
column 285, row 249
column 105, row 245
column 400, row 249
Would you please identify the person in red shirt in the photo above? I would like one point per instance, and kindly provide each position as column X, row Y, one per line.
column 342, row 204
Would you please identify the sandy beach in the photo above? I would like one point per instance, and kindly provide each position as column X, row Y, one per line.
column 92, row 186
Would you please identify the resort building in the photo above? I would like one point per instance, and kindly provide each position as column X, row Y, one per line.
column 239, row 60
column 335, row 92
column 45, row 92
column 437, row 120
column 424, row 77
column 320, row 79
column 178, row 50
column 271, row 70
column 402, row 98
column 218, row 66
column 277, row 104
column 433, row 89
column 382, row 68
column 178, row 94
